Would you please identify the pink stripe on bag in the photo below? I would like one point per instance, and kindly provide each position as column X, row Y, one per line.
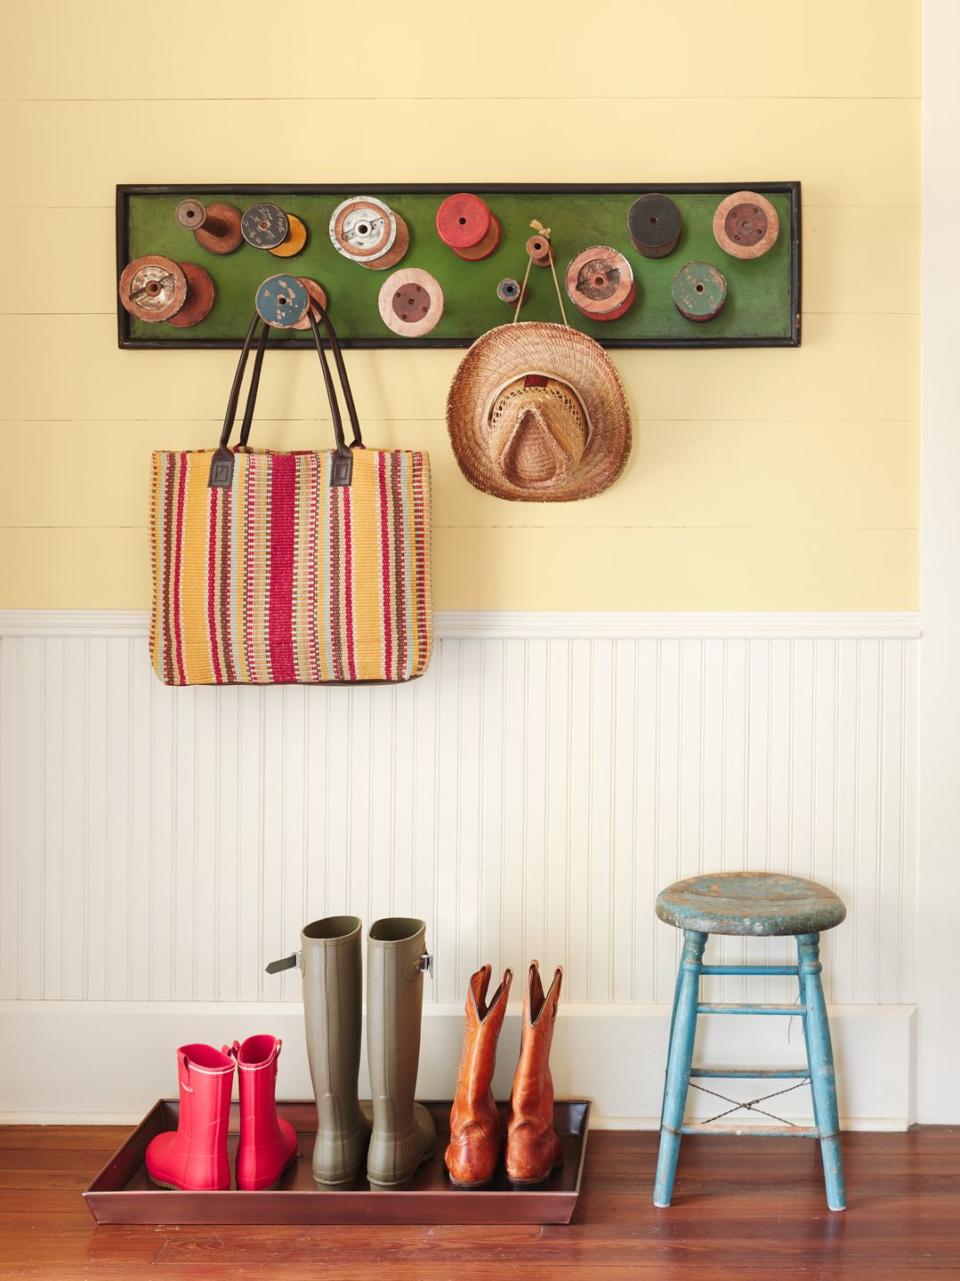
column 282, row 502
column 385, row 568
column 348, row 580
column 212, row 588
column 399, row 567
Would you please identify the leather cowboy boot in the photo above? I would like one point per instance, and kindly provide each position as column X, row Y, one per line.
column 476, row 1133
column 268, row 1144
column 403, row 1135
column 533, row 1146
column 193, row 1158
column 332, row 965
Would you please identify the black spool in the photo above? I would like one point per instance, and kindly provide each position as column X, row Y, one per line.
column 655, row 224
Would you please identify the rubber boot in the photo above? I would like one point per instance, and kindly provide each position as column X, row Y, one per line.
column 533, row 1146
column 403, row 1135
column 333, row 1009
column 268, row 1144
column 476, row 1132
column 193, row 1158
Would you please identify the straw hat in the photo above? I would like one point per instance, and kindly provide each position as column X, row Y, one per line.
column 536, row 413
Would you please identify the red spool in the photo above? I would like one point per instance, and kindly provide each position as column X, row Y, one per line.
column 486, row 246
column 463, row 221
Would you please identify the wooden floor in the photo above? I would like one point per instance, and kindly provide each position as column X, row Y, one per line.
column 746, row 1209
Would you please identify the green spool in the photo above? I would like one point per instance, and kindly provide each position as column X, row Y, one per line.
column 699, row 291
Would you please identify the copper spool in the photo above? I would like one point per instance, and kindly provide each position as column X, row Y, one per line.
column 216, row 227
column 538, row 249
column 599, row 282
column 295, row 241
column 201, row 296
column 485, row 247
column 317, row 294
column 746, row 225
column 622, row 309
column 152, row 288
column 411, row 302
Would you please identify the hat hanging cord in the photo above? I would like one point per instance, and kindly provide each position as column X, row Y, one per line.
column 545, row 232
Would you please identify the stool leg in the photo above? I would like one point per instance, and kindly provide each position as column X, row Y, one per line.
column 823, row 1082
column 679, row 1059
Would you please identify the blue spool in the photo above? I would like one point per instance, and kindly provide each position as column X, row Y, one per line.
column 282, row 301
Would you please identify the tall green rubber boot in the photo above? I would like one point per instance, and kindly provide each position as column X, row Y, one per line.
column 403, row 1132
column 332, row 1006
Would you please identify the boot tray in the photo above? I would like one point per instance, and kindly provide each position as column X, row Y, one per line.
column 121, row 1192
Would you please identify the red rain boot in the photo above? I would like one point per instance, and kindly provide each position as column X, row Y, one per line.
column 267, row 1143
column 193, row 1158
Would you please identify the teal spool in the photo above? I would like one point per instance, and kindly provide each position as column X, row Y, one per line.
column 282, row 301
column 699, row 291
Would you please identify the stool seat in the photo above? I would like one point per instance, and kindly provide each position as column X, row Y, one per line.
column 753, row 903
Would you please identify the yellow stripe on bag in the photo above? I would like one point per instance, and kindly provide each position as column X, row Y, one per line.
column 196, row 543
column 156, row 551
column 367, row 603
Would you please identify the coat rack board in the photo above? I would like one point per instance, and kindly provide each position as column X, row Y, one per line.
column 761, row 309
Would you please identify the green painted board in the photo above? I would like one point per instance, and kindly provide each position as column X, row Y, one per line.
column 763, row 295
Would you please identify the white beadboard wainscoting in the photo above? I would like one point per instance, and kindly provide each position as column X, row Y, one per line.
column 527, row 798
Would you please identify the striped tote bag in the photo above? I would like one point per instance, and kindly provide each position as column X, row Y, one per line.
column 275, row 567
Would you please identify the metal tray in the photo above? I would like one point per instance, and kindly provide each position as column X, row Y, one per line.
column 121, row 1192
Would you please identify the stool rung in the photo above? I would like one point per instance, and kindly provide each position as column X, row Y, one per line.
column 753, row 1131
column 749, row 969
column 753, row 1074
column 713, row 1007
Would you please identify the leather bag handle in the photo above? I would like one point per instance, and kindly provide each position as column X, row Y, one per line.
column 254, row 387
column 357, row 441
column 221, row 467
column 234, row 397
column 341, row 373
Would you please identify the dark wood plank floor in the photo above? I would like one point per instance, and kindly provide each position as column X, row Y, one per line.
column 746, row 1209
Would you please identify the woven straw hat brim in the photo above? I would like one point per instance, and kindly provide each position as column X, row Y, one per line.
column 508, row 352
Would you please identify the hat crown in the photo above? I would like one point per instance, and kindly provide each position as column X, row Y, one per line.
column 538, row 430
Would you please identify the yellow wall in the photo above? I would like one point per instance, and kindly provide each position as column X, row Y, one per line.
column 782, row 479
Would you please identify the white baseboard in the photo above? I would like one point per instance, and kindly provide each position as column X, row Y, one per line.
column 86, row 1062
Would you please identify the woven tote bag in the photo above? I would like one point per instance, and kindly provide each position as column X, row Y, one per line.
column 275, row 567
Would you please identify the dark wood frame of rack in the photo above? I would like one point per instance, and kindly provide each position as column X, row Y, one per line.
column 126, row 190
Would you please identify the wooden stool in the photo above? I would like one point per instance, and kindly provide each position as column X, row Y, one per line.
column 758, row 904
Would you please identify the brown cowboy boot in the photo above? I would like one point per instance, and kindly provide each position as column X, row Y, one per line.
column 533, row 1146
column 475, row 1130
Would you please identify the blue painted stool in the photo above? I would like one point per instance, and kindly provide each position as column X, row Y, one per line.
column 760, row 905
